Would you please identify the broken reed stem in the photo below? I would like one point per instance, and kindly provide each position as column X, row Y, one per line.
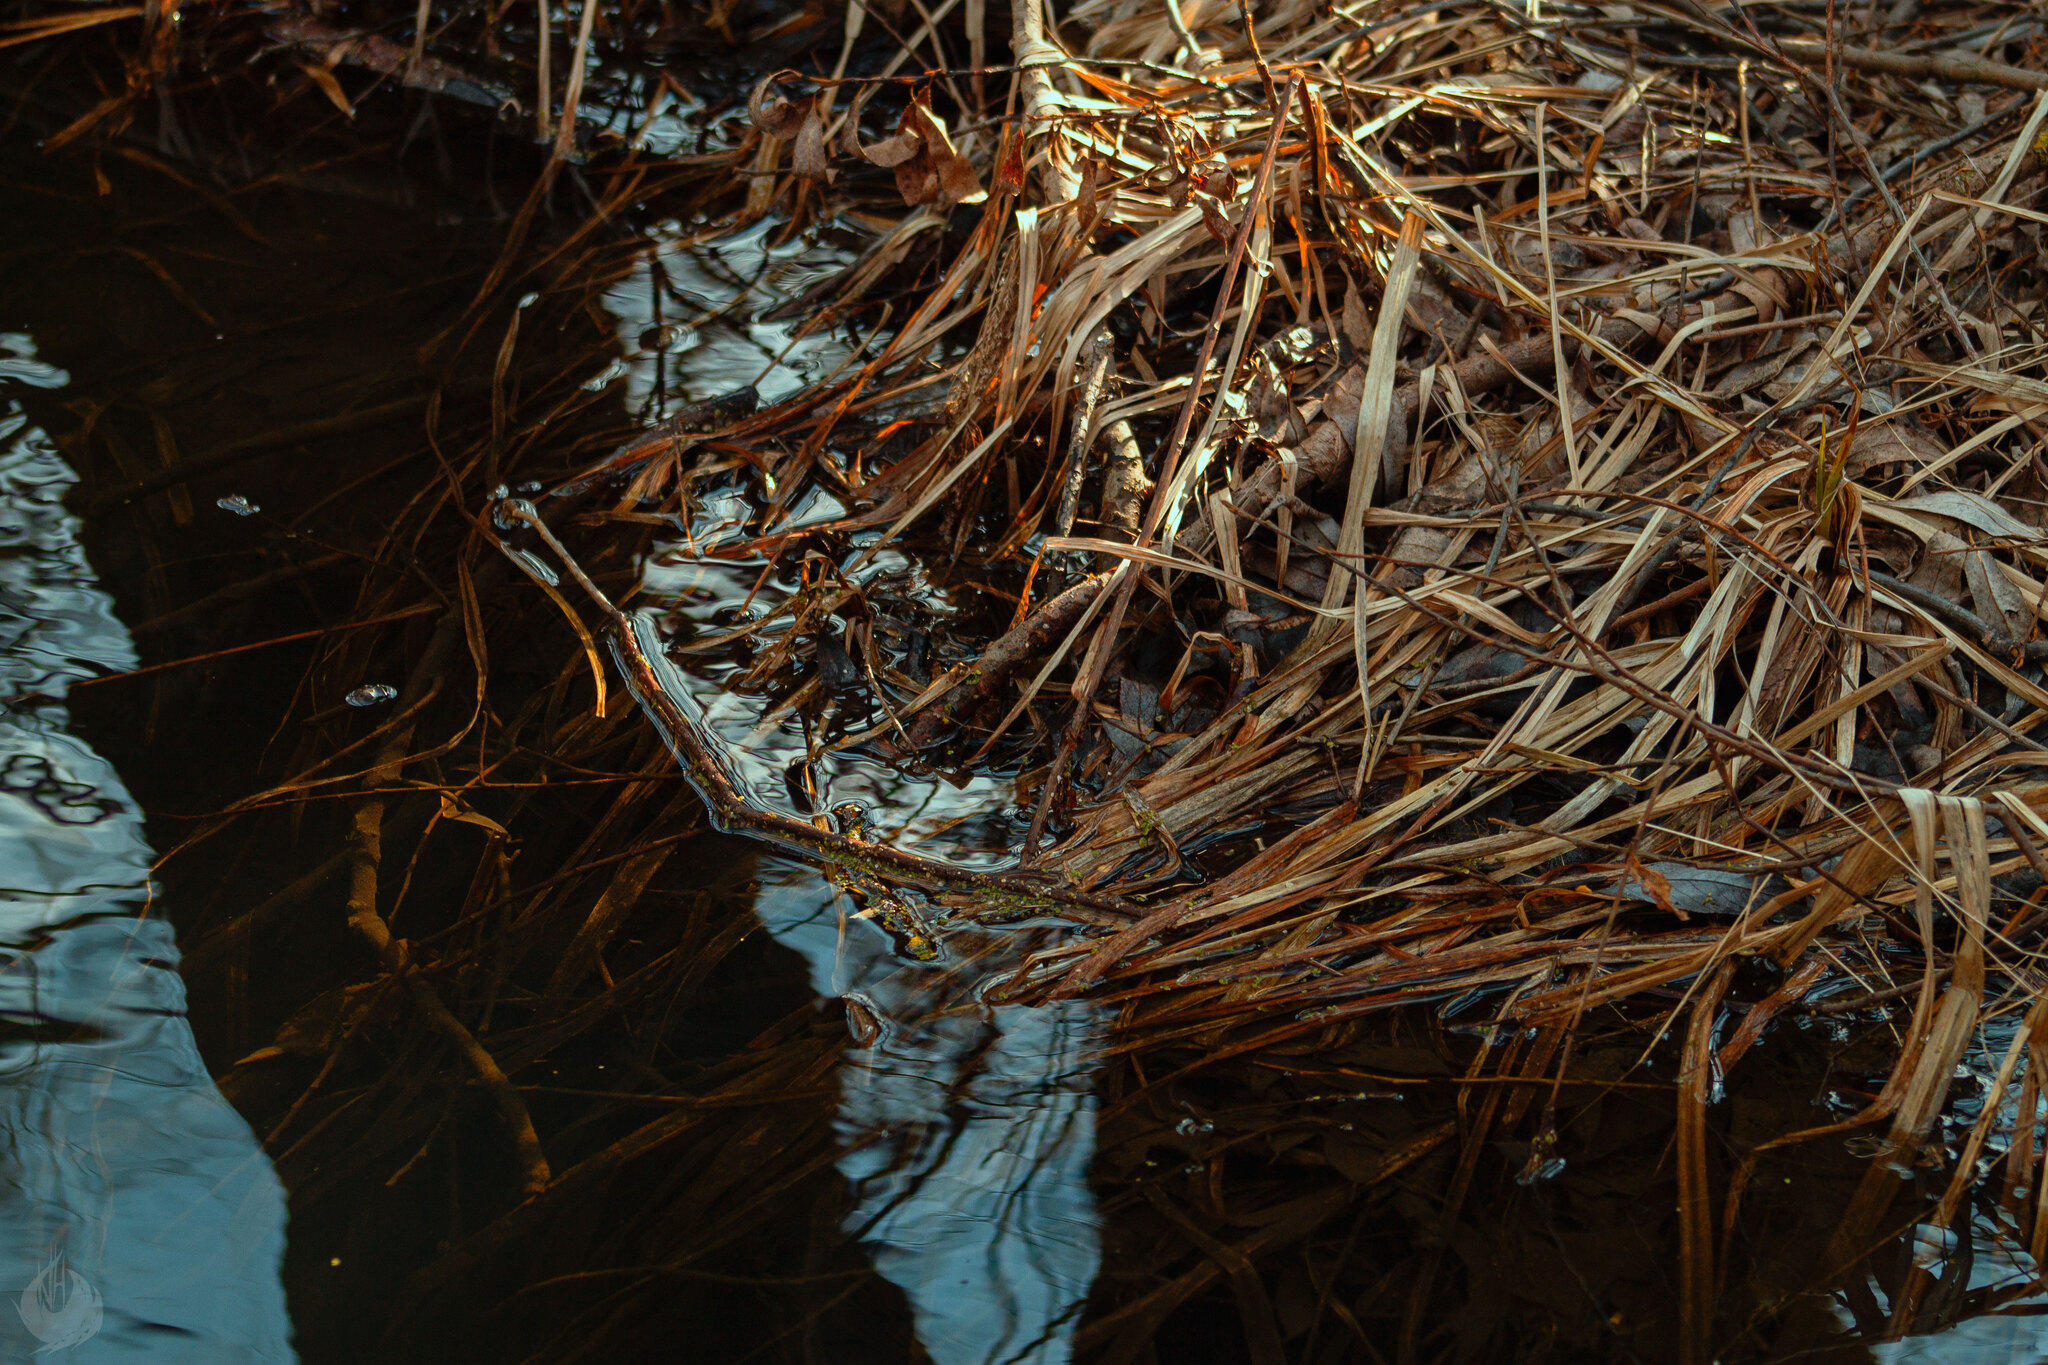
column 1951, row 66
column 1189, row 48
column 419, row 32
column 1037, row 58
column 732, row 811
column 999, row 663
column 1125, row 484
column 543, row 79
column 1100, row 351
column 1695, row 1209
column 565, row 132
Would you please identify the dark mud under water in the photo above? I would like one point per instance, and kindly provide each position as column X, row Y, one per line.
column 900, row 1172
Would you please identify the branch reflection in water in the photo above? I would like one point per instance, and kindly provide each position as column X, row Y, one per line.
column 138, row 1217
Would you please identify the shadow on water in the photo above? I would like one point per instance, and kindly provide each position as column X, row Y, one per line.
column 784, row 1115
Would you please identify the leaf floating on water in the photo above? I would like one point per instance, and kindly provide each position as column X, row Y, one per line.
column 238, row 504
column 371, row 694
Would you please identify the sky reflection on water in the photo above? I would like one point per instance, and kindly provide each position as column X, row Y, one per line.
column 968, row 1128
column 126, row 1181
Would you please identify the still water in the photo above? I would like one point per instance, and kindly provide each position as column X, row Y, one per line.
column 968, row 1128
column 142, row 1221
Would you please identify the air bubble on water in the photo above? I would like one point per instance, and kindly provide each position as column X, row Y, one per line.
column 239, row 505
column 371, row 694
column 1190, row 1127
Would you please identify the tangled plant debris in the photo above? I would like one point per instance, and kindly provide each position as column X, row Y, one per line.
column 1591, row 533
column 1536, row 507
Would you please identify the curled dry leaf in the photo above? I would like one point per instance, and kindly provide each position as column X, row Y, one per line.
column 799, row 121
column 928, row 167
column 784, row 118
column 1213, row 177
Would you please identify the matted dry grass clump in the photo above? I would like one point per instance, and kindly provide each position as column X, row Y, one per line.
column 1728, row 653
column 1563, row 501
column 1556, row 510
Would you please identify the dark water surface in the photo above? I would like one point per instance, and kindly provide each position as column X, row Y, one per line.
column 142, row 1219
column 825, row 1144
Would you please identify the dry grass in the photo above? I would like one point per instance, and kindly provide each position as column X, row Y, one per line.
column 1600, row 521
column 1730, row 653
column 1593, row 530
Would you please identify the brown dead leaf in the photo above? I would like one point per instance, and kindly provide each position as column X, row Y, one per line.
column 1649, row 883
column 1213, row 177
column 1009, row 178
column 1357, row 322
column 893, row 150
column 807, row 155
column 957, row 181
column 1085, row 203
column 929, row 169
column 783, row 118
